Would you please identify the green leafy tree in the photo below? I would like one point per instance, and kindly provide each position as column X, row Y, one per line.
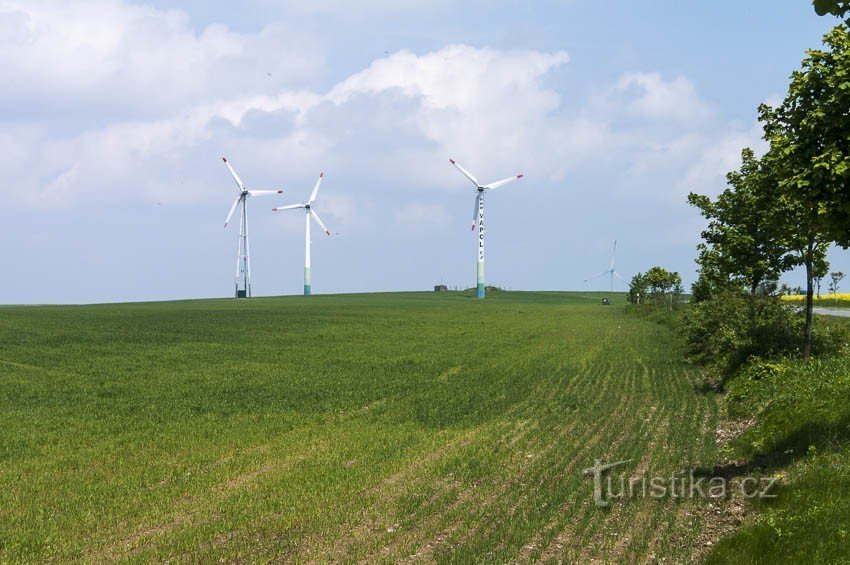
column 809, row 135
column 835, row 280
column 637, row 289
column 811, row 132
column 835, row 7
column 657, row 286
column 744, row 244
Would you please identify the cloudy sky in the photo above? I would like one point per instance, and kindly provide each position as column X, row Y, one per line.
column 115, row 116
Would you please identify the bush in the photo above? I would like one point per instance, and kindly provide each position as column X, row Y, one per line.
column 733, row 327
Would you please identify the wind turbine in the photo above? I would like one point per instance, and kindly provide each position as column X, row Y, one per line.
column 610, row 272
column 308, row 207
column 478, row 217
column 243, row 254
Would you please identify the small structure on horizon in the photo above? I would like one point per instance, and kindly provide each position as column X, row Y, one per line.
column 440, row 288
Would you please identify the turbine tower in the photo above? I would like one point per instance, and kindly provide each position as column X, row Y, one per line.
column 610, row 272
column 308, row 207
column 478, row 218
column 243, row 253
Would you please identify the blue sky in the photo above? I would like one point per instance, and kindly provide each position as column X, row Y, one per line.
column 115, row 116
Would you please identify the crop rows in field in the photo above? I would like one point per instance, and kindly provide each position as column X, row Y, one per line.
column 371, row 428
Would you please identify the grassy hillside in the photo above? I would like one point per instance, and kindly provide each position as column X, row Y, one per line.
column 801, row 432
column 374, row 427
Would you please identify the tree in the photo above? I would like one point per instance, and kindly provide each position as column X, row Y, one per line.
column 744, row 244
column 804, row 232
column 637, row 289
column 657, row 286
column 835, row 7
column 812, row 130
column 835, row 278
column 809, row 135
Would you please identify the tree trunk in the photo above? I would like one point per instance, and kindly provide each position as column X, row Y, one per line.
column 807, row 345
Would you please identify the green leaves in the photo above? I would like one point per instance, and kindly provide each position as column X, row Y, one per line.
column 810, row 130
column 834, row 7
column 657, row 286
column 746, row 242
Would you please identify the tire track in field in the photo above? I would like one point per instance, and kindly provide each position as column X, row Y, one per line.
column 441, row 536
column 565, row 467
column 589, row 439
column 366, row 528
column 636, row 513
column 378, row 514
column 640, row 530
column 577, row 527
column 540, row 473
column 615, row 520
column 653, row 431
column 566, row 537
column 185, row 509
column 568, row 457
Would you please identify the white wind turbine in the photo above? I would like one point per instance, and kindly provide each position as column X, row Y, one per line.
column 610, row 271
column 243, row 254
column 308, row 207
column 478, row 218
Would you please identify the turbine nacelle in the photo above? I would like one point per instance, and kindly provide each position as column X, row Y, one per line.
column 610, row 271
column 244, row 192
column 308, row 206
column 481, row 188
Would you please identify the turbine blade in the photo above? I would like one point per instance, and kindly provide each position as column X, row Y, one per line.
column 232, row 209
column 236, row 178
column 264, row 192
column 616, row 274
column 466, row 173
column 498, row 183
column 475, row 211
column 315, row 192
column 290, row 207
column 597, row 276
column 319, row 221
column 613, row 254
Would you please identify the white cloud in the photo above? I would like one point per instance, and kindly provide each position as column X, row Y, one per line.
column 388, row 127
column 708, row 173
column 436, row 101
column 112, row 57
column 650, row 96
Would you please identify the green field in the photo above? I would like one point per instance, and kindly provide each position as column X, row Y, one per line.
column 362, row 427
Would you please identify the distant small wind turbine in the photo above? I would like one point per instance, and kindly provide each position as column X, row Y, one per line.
column 610, row 272
column 243, row 255
column 308, row 207
column 478, row 217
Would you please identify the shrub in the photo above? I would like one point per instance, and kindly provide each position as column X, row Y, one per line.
column 732, row 327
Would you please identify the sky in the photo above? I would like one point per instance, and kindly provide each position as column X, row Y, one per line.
column 114, row 116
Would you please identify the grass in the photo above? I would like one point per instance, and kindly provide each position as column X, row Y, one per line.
column 360, row 427
column 802, row 434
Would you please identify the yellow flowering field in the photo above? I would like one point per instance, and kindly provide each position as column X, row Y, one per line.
column 841, row 297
